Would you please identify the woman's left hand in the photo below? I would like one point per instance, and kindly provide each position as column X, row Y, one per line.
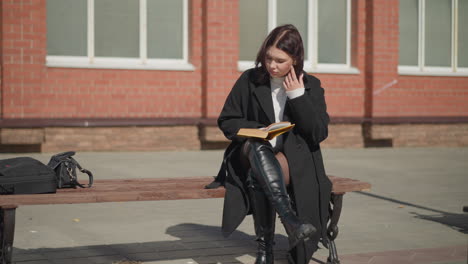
column 291, row 82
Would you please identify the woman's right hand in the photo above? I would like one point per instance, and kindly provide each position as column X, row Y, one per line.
column 291, row 82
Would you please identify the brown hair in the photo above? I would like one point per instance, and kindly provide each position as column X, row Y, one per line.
column 286, row 38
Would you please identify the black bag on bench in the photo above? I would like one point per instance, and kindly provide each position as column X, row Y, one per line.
column 25, row 175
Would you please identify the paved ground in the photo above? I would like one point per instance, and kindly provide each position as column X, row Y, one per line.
column 413, row 214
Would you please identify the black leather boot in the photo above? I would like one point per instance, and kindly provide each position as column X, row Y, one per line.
column 268, row 174
column 264, row 217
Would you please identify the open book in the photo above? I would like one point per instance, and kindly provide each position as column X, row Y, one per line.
column 266, row 133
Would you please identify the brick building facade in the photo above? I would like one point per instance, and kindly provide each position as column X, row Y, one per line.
column 48, row 107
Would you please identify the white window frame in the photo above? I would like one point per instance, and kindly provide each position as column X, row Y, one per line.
column 143, row 62
column 421, row 69
column 311, row 61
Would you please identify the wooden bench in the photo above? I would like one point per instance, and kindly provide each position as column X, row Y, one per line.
column 129, row 190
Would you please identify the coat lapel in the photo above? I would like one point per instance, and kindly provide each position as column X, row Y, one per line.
column 263, row 95
column 286, row 111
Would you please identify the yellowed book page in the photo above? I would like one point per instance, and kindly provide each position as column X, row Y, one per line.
column 278, row 125
column 278, row 131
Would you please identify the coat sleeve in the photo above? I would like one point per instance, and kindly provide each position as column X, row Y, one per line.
column 309, row 113
column 234, row 113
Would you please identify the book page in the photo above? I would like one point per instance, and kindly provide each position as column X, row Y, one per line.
column 278, row 131
column 268, row 132
column 278, row 125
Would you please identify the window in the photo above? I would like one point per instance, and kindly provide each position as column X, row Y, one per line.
column 325, row 27
column 139, row 34
column 433, row 37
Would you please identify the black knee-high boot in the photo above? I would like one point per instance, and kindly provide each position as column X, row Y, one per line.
column 268, row 174
column 264, row 217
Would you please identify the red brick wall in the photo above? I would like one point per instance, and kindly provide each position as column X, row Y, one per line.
column 32, row 90
column 221, row 53
column 396, row 95
column 1, row 59
column 426, row 96
column 424, row 135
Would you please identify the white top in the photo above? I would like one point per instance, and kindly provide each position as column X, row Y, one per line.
column 279, row 96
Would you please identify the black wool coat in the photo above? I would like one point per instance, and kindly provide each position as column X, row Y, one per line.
column 250, row 105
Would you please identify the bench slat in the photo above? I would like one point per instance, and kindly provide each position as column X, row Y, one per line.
column 125, row 190
column 143, row 184
column 98, row 197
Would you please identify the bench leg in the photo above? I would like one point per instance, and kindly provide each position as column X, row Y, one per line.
column 332, row 230
column 7, row 233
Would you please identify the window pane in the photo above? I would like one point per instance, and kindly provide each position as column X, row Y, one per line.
column 462, row 33
column 294, row 12
column 438, row 33
column 165, row 29
column 66, row 27
column 116, row 28
column 253, row 23
column 332, row 31
column 408, row 32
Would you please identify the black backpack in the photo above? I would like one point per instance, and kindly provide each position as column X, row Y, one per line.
column 25, row 175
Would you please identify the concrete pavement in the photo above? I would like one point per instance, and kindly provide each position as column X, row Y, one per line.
column 412, row 214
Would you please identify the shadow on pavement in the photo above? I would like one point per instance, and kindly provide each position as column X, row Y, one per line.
column 458, row 222
column 196, row 243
